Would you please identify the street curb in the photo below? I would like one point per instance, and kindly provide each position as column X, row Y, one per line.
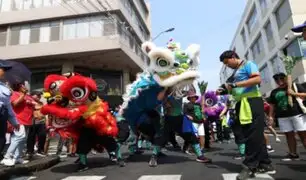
column 37, row 165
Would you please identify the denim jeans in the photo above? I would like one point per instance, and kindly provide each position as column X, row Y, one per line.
column 17, row 145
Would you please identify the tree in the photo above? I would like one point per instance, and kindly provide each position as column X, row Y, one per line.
column 202, row 86
column 290, row 62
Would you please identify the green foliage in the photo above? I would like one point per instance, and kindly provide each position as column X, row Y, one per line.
column 203, row 86
column 290, row 62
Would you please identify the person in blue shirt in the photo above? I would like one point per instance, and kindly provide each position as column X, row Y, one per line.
column 6, row 111
column 243, row 84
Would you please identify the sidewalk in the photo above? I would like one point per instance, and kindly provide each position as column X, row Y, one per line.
column 38, row 164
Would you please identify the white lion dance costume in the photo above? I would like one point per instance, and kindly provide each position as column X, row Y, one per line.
column 167, row 68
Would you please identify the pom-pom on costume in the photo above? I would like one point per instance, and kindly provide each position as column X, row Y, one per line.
column 213, row 107
column 143, row 100
column 98, row 126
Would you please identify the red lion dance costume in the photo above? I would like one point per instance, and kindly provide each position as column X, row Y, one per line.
column 75, row 101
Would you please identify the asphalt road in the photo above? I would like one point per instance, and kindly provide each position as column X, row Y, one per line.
column 176, row 166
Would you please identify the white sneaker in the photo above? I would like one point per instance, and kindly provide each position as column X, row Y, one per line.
column 277, row 139
column 21, row 161
column 8, row 162
column 94, row 152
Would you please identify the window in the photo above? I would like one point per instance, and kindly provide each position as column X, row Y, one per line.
column 3, row 34
column 82, row 28
column 95, row 26
column 252, row 19
column 27, row 4
column 17, row 5
column 69, row 29
column 277, row 65
column 269, row 32
column 39, row 75
column 265, row 75
column 243, row 35
column 38, row 3
column 45, row 32
column 71, row 1
column 283, row 13
column 127, row 5
column 263, row 4
column 293, row 49
column 257, row 47
column 141, row 9
column 24, row 35
column 46, row 3
column 55, row 31
column 5, row 5
column 14, row 35
column 34, row 33
column 109, row 28
column 108, row 82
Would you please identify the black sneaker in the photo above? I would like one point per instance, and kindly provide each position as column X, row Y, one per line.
column 153, row 161
column 268, row 169
column 161, row 154
column 139, row 151
column 41, row 154
column 176, row 147
column 270, row 150
column 71, row 155
column 77, row 161
column 290, row 157
column 238, row 157
column 29, row 157
column 121, row 162
column 112, row 157
column 246, row 173
column 82, row 167
column 203, row 159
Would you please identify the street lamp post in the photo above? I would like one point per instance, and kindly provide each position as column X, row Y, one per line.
column 168, row 30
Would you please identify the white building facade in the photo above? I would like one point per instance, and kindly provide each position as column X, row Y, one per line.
column 264, row 35
column 98, row 38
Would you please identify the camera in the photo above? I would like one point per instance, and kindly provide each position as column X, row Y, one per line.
column 222, row 90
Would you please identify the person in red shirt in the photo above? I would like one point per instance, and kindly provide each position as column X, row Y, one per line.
column 268, row 123
column 23, row 108
column 23, row 105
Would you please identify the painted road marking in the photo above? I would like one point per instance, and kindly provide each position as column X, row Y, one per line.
column 24, row 178
column 232, row 176
column 84, row 178
column 160, row 177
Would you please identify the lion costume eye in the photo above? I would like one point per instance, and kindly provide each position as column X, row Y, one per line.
column 190, row 62
column 78, row 93
column 52, row 86
column 209, row 102
column 162, row 62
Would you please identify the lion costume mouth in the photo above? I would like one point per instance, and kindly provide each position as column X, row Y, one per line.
column 174, row 79
column 61, row 123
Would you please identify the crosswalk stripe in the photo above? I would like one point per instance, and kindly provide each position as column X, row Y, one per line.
column 84, row 178
column 232, row 176
column 24, row 178
column 160, row 177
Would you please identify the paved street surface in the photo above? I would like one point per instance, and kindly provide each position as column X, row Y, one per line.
column 176, row 166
